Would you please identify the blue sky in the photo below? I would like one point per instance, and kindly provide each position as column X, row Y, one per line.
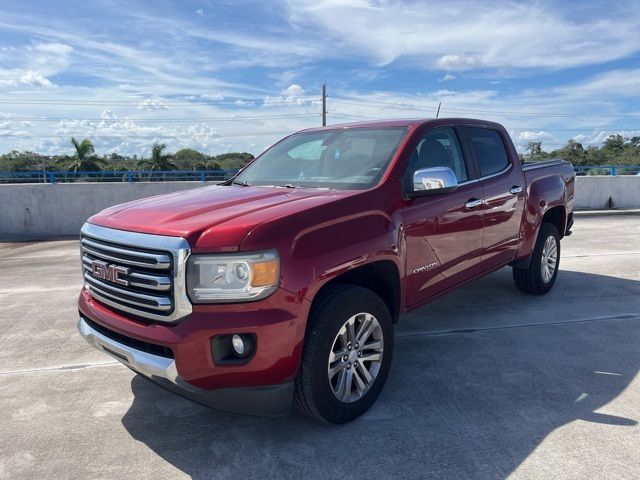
column 237, row 75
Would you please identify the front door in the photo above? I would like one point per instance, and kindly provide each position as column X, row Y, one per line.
column 443, row 232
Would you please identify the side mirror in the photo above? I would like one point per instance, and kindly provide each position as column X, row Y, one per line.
column 434, row 180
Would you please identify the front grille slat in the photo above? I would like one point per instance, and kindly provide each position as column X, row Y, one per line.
column 144, row 283
column 156, row 282
column 129, row 296
column 126, row 256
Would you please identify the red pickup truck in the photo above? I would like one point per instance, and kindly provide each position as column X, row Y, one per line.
column 282, row 285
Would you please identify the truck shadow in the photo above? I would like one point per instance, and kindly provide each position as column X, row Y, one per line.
column 473, row 403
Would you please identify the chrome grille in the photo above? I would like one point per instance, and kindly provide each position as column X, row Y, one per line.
column 150, row 278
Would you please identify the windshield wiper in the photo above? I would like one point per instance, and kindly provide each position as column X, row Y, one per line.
column 241, row 183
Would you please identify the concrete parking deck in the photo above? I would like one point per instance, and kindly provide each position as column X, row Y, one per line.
column 486, row 383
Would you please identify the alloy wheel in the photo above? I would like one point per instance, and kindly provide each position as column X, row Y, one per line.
column 549, row 260
column 355, row 357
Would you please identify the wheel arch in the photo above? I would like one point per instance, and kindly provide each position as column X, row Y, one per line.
column 381, row 277
column 557, row 216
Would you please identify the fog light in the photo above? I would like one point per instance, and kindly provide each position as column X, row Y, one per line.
column 238, row 345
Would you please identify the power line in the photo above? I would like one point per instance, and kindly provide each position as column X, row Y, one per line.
column 355, row 99
column 193, row 119
column 238, row 102
column 554, row 129
column 407, row 106
column 150, row 135
column 397, row 107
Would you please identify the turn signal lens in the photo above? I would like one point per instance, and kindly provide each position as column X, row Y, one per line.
column 264, row 273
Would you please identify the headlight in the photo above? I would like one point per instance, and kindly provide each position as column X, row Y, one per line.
column 232, row 277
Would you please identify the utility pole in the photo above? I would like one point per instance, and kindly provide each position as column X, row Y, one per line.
column 324, row 104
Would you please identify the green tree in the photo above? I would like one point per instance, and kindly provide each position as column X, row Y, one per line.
column 596, row 156
column 16, row 161
column 84, row 160
column 158, row 161
column 614, row 145
column 233, row 161
column 574, row 152
column 534, row 151
column 188, row 158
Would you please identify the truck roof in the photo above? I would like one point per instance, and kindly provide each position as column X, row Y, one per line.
column 403, row 122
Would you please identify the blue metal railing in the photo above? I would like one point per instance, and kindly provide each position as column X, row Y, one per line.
column 612, row 170
column 135, row 176
column 130, row 176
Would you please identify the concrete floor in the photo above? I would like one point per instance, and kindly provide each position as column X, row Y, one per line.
column 486, row 383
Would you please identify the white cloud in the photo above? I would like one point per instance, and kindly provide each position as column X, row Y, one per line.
column 614, row 82
column 55, row 48
column 200, row 12
column 458, row 62
column 18, row 77
column 530, row 136
column 293, row 91
column 490, row 34
column 447, row 77
column 293, row 94
column 152, row 104
column 597, row 137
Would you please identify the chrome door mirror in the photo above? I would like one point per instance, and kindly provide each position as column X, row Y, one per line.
column 434, row 180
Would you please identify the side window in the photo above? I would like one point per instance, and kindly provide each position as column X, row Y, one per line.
column 489, row 149
column 439, row 148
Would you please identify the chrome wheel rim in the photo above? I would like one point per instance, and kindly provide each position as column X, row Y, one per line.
column 355, row 357
column 549, row 260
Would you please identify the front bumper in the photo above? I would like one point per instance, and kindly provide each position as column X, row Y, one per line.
column 270, row 400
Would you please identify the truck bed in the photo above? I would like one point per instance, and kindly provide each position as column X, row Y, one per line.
column 527, row 166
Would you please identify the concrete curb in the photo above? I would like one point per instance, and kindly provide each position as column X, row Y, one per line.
column 606, row 213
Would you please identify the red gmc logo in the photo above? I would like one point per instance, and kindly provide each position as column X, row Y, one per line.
column 110, row 273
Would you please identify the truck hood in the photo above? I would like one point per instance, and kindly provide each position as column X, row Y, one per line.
column 214, row 218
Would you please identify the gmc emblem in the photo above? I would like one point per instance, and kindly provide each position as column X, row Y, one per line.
column 110, row 273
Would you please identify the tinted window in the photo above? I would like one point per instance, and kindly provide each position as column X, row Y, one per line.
column 439, row 148
column 489, row 149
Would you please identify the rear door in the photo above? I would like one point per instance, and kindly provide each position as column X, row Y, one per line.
column 502, row 184
column 443, row 232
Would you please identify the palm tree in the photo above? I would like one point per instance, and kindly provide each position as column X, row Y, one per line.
column 158, row 160
column 84, row 159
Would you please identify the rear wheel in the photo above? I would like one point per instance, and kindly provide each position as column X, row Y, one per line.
column 541, row 274
column 347, row 355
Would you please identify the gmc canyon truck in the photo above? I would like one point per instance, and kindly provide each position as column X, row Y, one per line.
column 283, row 284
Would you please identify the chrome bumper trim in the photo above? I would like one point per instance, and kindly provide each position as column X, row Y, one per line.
column 155, row 367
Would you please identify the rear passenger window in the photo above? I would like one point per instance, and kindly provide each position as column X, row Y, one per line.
column 489, row 149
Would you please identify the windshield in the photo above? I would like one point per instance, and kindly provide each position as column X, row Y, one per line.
column 352, row 158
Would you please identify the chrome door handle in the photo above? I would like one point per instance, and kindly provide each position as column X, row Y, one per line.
column 473, row 203
column 515, row 190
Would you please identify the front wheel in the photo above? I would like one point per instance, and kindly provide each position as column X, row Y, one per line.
column 347, row 355
column 541, row 274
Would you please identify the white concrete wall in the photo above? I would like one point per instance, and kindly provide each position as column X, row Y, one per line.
column 43, row 210
column 593, row 192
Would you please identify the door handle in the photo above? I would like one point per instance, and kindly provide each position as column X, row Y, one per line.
column 515, row 190
column 473, row 203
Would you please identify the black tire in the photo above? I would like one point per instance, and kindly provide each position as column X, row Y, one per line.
column 530, row 280
column 313, row 393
